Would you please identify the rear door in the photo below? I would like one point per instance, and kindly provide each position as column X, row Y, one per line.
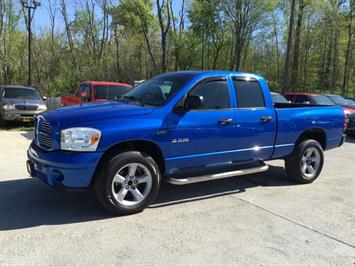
column 255, row 120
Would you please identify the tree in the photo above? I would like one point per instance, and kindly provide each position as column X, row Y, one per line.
column 164, row 18
column 285, row 83
column 294, row 74
column 349, row 47
column 245, row 17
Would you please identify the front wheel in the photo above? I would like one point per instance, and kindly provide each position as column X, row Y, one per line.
column 127, row 183
column 306, row 162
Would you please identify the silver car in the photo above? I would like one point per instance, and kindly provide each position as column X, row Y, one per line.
column 20, row 103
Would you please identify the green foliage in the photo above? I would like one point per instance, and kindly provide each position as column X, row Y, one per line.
column 122, row 42
column 66, row 81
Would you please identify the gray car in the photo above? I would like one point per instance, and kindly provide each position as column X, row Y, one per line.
column 20, row 103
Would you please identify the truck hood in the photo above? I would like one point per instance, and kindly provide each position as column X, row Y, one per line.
column 88, row 112
column 22, row 101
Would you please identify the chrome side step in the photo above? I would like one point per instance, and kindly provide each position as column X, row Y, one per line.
column 202, row 178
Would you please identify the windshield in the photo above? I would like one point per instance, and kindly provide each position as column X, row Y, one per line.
column 109, row 91
column 278, row 98
column 320, row 99
column 21, row 93
column 158, row 90
column 338, row 100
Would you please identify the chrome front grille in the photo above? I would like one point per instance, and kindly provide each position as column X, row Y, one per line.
column 44, row 134
column 26, row 107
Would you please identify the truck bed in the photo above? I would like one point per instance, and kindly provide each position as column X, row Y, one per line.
column 294, row 120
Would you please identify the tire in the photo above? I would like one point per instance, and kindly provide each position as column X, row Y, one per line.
column 127, row 183
column 2, row 122
column 306, row 162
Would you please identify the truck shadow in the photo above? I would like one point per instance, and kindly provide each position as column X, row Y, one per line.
column 26, row 203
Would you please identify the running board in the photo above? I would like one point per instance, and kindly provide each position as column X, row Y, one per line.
column 202, row 178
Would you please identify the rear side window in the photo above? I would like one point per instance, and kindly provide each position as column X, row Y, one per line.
column 110, row 92
column 249, row 93
column 301, row 99
column 215, row 94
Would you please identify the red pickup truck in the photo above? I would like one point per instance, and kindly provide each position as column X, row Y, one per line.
column 95, row 91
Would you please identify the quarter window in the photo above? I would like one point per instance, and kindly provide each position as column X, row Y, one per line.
column 215, row 94
column 249, row 93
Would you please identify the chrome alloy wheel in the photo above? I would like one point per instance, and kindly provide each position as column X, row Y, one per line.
column 131, row 184
column 310, row 162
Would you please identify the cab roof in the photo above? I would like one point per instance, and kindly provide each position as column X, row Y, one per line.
column 105, row 83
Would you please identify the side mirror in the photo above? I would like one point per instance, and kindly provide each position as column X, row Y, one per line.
column 44, row 98
column 193, row 101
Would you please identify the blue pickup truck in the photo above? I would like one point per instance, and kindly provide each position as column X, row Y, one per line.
column 182, row 128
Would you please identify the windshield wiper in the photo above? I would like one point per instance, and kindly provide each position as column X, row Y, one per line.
column 131, row 98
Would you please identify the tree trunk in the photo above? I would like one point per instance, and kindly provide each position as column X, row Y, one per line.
column 294, row 74
column 164, row 29
column 69, row 35
column 307, row 46
column 288, row 49
column 349, row 49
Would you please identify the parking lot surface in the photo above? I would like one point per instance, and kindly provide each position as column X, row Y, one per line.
column 259, row 219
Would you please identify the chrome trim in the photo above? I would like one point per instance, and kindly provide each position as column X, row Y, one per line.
column 197, row 179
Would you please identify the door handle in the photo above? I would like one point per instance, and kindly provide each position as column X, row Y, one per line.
column 225, row 121
column 265, row 118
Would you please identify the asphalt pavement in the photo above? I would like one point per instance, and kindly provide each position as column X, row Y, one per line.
column 260, row 219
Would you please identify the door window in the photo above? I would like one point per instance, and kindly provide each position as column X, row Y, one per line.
column 84, row 90
column 249, row 93
column 215, row 94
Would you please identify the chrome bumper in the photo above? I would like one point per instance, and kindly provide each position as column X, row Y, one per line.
column 17, row 115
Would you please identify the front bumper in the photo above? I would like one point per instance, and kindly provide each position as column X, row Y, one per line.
column 62, row 169
column 351, row 126
column 17, row 115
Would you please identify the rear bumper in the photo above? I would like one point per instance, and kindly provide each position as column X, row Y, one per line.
column 69, row 170
column 351, row 126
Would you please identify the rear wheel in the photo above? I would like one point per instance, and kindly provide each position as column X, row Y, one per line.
column 127, row 183
column 306, row 162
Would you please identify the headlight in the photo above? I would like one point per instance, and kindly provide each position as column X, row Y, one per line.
column 79, row 139
column 42, row 107
column 8, row 107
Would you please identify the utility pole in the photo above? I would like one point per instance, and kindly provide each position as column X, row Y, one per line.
column 31, row 7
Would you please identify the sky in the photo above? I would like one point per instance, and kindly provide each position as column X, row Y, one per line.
column 41, row 19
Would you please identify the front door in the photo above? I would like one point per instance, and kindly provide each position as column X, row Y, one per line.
column 204, row 137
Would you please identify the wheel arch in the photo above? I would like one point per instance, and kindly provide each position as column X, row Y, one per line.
column 144, row 146
column 317, row 134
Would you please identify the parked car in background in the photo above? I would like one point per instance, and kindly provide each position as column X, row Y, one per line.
column 348, row 106
column 278, row 98
column 181, row 127
column 19, row 103
column 308, row 98
column 96, row 91
column 351, row 125
column 338, row 100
